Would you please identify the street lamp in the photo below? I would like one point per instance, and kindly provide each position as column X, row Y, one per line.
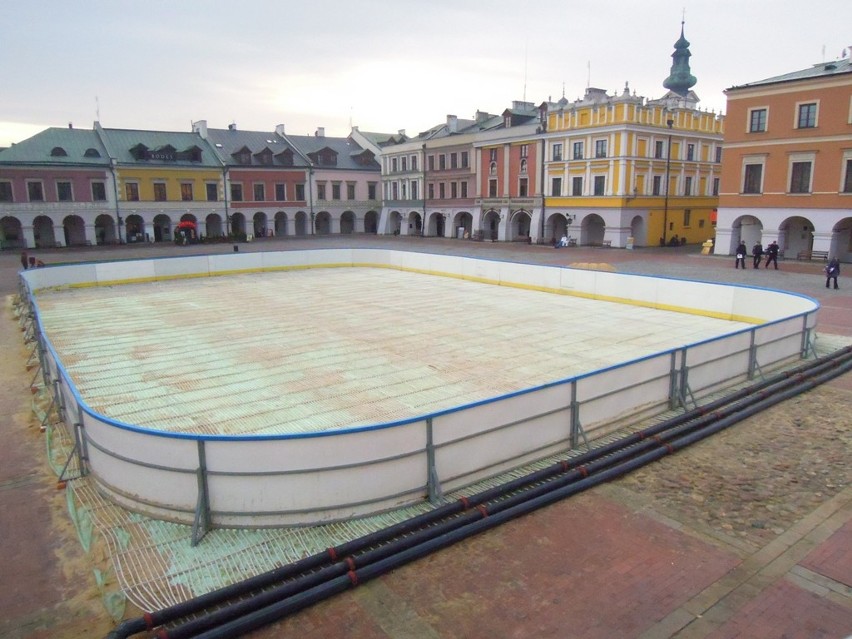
column 669, row 124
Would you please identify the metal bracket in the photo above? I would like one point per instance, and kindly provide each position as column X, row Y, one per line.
column 433, row 482
column 201, row 522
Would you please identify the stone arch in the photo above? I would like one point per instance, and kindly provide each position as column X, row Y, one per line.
column 347, row 223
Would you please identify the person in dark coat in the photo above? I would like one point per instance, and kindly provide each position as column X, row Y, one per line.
column 741, row 253
column 832, row 271
column 24, row 261
column 772, row 254
column 757, row 254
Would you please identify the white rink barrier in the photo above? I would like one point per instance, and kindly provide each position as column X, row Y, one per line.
column 254, row 481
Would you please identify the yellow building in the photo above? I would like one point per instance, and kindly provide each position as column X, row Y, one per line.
column 622, row 170
column 163, row 179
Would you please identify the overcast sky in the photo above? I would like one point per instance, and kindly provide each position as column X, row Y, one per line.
column 381, row 65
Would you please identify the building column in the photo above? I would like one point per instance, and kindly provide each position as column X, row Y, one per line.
column 29, row 236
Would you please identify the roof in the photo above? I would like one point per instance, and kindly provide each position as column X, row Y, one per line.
column 821, row 70
column 349, row 154
column 58, row 146
column 157, row 148
column 384, row 139
column 227, row 142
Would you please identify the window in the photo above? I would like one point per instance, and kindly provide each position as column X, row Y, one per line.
column 718, row 154
column 280, row 192
column 393, row 165
column 371, row 191
column 687, row 217
column 186, row 192
column 300, row 192
column 525, row 150
column 577, row 186
column 522, row 187
column 464, row 189
column 556, row 187
column 131, row 192
column 454, row 160
column 320, row 191
column 413, row 162
column 757, row 121
column 402, row 186
column 403, row 163
column 98, row 192
column 350, row 190
column 492, row 188
column 160, row 191
column 753, row 178
column 600, row 148
column 35, row 192
column 413, row 190
column 335, row 191
column 687, row 185
column 690, row 152
column 63, row 192
column 431, row 189
column 395, row 190
column 847, row 182
column 600, row 184
column 464, row 160
column 431, row 162
column 6, row 192
column 800, row 177
column 454, row 190
column 523, row 168
column 212, row 190
column 578, row 151
column 658, row 149
column 442, row 191
column 556, row 151
column 656, row 185
column 259, row 192
column 715, row 186
column 492, row 169
column 807, row 116
column 493, row 155
column 442, row 161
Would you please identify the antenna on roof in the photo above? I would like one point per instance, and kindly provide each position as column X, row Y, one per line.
column 526, row 48
column 588, row 73
column 97, row 109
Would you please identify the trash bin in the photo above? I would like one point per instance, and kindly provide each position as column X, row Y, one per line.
column 236, row 248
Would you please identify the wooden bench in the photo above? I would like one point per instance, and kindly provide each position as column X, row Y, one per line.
column 812, row 255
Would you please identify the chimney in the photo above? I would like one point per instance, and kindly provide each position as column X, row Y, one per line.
column 320, row 132
column 232, row 126
column 279, row 129
column 200, row 127
column 452, row 124
column 70, row 125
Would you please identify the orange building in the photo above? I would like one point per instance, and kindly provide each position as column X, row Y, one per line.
column 787, row 163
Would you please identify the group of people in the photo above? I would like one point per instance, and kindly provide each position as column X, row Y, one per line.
column 29, row 261
column 832, row 269
column 757, row 253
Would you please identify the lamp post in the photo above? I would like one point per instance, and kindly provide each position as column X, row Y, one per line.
column 669, row 124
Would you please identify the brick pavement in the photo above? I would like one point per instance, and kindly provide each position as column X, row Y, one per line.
column 604, row 564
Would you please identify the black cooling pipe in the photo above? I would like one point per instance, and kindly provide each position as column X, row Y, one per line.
column 584, row 461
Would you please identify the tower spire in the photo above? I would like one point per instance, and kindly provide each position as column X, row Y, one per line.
column 680, row 79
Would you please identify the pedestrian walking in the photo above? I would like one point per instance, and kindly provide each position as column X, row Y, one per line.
column 831, row 272
column 741, row 253
column 24, row 260
column 772, row 254
column 757, row 254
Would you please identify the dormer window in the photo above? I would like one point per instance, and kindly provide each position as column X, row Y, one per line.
column 58, row 152
column 243, row 156
column 285, row 158
column 264, row 156
column 92, row 153
column 193, row 154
